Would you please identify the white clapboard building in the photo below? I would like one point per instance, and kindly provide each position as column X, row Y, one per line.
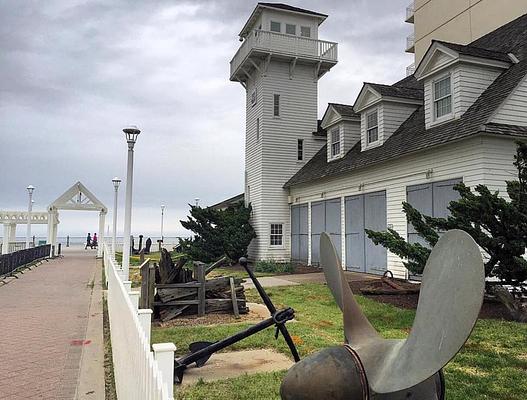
column 456, row 118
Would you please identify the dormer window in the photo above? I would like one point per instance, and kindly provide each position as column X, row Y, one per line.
column 442, row 97
column 335, row 142
column 276, row 26
column 372, row 127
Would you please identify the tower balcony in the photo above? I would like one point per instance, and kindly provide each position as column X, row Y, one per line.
column 410, row 43
column 262, row 45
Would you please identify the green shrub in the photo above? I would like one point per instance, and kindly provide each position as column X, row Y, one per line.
column 274, row 267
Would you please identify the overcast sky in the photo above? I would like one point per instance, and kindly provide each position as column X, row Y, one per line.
column 73, row 73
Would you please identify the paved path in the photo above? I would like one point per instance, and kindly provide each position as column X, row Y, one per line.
column 297, row 279
column 43, row 328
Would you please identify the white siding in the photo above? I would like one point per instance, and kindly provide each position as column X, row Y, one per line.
column 351, row 135
column 513, row 111
column 289, row 18
column 390, row 117
column 468, row 83
column 457, row 160
column 273, row 161
column 498, row 157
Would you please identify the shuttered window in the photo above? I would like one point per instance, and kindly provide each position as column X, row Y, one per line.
column 276, row 105
column 300, row 150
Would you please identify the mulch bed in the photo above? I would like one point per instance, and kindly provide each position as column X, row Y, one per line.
column 489, row 310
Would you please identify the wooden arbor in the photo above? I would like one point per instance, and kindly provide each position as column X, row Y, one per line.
column 77, row 197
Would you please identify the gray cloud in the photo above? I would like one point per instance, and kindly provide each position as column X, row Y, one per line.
column 75, row 72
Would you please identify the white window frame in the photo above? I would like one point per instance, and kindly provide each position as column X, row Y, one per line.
column 279, row 26
column 370, row 128
column 308, row 29
column 280, row 235
column 335, row 144
column 288, row 26
column 276, row 105
column 300, row 149
column 448, row 116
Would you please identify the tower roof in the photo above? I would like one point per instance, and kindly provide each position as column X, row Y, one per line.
column 278, row 6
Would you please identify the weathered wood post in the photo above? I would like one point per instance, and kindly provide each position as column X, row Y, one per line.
column 200, row 270
column 234, row 299
column 145, row 283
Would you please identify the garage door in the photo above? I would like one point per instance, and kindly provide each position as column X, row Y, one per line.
column 299, row 233
column 367, row 211
column 430, row 199
column 325, row 217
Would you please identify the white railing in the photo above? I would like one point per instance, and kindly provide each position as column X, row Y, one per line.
column 139, row 373
column 410, row 42
column 284, row 44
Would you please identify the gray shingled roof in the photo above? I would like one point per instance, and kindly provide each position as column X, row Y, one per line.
column 287, row 7
column 397, row 91
column 345, row 110
column 474, row 51
column 412, row 136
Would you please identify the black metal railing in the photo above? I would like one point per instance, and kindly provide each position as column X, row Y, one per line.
column 12, row 261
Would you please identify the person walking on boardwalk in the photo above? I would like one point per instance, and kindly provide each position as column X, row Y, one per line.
column 94, row 241
column 88, row 241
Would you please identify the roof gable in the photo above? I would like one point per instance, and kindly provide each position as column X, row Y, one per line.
column 78, row 197
column 441, row 55
column 366, row 98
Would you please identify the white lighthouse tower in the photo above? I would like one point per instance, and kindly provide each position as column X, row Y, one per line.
column 279, row 64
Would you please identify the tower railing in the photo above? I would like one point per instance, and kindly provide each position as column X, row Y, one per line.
column 274, row 42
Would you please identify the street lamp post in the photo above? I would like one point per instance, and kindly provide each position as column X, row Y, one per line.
column 162, row 217
column 131, row 136
column 30, row 190
column 116, row 182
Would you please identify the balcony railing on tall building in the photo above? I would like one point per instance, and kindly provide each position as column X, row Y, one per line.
column 410, row 43
column 410, row 69
column 410, row 10
column 286, row 45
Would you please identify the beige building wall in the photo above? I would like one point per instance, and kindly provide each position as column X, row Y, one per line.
column 460, row 21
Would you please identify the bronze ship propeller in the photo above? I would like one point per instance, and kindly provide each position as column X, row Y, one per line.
column 370, row 367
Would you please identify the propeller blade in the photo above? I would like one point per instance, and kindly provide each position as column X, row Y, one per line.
column 357, row 328
column 449, row 303
column 197, row 346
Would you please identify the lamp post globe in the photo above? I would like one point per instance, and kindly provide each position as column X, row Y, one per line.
column 30, row 190
column 131, row 133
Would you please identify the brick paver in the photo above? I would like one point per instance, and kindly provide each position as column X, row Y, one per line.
column 43, row 328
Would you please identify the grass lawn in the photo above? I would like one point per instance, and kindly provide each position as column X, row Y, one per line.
column 493, row 364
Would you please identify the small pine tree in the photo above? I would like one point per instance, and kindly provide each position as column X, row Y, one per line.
column 218, row 233
column 498, row 225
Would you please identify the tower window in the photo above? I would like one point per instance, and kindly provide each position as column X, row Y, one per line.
column 276, row 237
column 300, row 150
column 335, row 142
column 290, row 29
column 442, row 97
column 372, row 127
column 305, row 31
column 276, row 105
column 276, row 26
column 257, row 129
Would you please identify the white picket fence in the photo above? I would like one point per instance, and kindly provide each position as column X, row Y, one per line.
column 140, row 374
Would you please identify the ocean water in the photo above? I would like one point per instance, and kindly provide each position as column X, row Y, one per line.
column 76, row 240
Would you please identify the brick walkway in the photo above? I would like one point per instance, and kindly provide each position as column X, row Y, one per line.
column 43, row 328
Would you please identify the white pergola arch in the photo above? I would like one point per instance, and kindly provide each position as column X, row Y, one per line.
column 77, row 197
